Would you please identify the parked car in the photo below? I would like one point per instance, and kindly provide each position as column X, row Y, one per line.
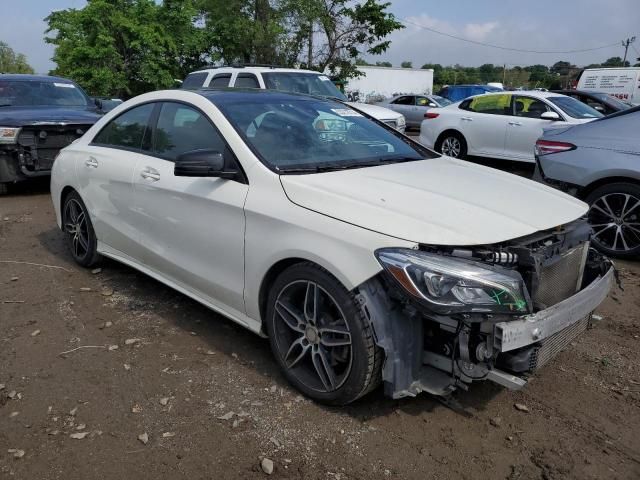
column 622, row 83
column 455, row 93
column 602, row 102
column 106, row 104
column 39, row 115
column 363, row 258
column 500, row 125
column 287, row 80
column 414, row 107
column 599, row 163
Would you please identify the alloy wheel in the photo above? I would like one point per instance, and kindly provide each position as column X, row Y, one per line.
column 76, row 228
column 451, row 147
column 615, row 219
column 312, row 336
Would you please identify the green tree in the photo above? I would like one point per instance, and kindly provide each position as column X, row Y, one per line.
column 127, row 47
column 615, row 62
column 12, row 62
column 384, row 64
column 406, row 64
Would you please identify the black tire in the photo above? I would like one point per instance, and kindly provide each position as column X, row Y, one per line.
column 78, row 230
column 355, row 369
column 454, row 143
column 614, row 213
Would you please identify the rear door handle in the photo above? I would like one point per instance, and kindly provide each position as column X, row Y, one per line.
column 91, row 162
column 515, row 124
column 150, row 173
column 467, row 119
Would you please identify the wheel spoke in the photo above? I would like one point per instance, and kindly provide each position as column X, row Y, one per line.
column 298, row 344
column 333, row 337
column 323, row 368
column 84, row 243
column 598, row 233
column 311, row 303
column 626, row 211
column 606, row 204
column 292, row 319
column 76, row 244
column 595, row 206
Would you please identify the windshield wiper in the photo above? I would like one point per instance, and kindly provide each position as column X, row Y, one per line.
column 6, row 104
column 348, row 166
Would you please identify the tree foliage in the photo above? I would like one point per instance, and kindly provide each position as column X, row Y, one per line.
column 407, row 64
column 12, row 62
column 127, row 47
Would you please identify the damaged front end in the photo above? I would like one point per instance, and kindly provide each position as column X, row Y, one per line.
column 448, row 316
column 32, row 149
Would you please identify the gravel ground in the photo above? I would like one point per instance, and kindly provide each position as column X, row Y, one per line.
column 156, row 386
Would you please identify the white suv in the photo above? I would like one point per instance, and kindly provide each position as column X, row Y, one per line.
column 287, row 80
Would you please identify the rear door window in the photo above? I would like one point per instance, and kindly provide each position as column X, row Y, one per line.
column 246, row 80
column 129, row 130
column 220, row 80
column 529, row 107
column 406, row 100
column 489, row 104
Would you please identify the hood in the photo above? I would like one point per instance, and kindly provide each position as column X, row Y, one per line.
column 376, row 111
column 25, row 116
column 440, row 201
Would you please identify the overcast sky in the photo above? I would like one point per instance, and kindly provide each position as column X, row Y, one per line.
column 547, row 25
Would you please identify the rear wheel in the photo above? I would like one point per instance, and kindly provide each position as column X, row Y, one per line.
column 614, row 214
column 453, row 145
column 81, row 238
column 320, row 337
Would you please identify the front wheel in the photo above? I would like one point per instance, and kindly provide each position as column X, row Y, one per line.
column 614, row 215
column 453, row 145
column 81, row 238
column 321, row 339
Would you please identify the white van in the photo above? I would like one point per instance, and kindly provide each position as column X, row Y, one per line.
column 622, row 83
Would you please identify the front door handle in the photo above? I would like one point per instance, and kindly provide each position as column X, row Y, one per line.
column 467, row 119
column 515, row 124
column 150, row 174
column 91, row 162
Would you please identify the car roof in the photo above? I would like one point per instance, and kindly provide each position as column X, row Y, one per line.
column 255, row 69
column 223, row 95
column 529, row 93
column 33, row 78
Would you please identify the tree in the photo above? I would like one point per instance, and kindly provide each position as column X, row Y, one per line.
column 127, row 47
column 561, row 68
column 406, row 64
column 11, row 62
column 615, row 62
column 384, row 64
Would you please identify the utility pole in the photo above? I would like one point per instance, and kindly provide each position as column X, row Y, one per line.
column 504, row 74
column 625, row 44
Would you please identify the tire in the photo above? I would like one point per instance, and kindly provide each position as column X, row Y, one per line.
column 452, row 144
column 614, row 214
column 78, row 230
column 311, row 348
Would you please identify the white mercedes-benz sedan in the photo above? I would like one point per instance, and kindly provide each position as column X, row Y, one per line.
column 363, row 256
column 503, row 125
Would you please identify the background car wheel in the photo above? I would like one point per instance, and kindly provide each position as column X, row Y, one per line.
column 614, row 214
column 453, row 145
column 320, row 337
column 79, row 232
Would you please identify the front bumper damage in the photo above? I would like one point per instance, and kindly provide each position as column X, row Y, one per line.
column 440, row 354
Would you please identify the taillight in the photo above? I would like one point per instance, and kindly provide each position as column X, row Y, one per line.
column 546, row 147
column 431, row 115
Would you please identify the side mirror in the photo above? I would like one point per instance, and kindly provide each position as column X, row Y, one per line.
column 599, row 108
column 98, row 103
column 202, row 163
column 432, row 105
column 552, row 116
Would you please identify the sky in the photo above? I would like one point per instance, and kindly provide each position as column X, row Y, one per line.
column 544, row 25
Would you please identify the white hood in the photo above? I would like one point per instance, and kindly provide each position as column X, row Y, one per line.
column 377, row 112
column 440, row 201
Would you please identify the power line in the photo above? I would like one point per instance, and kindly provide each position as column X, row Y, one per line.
column 501, row 47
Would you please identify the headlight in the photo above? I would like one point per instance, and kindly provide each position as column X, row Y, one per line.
column 401, row 121
column 451, row 285
column 9, row 135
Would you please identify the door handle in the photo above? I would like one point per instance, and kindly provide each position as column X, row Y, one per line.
column 150, row 173
column 467, row 119
column 515, row 124
column 91, row 162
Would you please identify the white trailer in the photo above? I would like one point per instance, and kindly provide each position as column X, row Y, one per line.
column 379, row 83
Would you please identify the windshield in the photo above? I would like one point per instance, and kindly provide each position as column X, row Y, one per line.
column 613, row 101
column 307, row 83
column 575, row 108
column 32, row 92
column 443, row 102
column 307, row 135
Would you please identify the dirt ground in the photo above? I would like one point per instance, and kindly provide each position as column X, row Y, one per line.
column 144, row 359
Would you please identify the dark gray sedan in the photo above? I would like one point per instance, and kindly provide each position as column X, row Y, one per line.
column 599, row 162
column 414, row 107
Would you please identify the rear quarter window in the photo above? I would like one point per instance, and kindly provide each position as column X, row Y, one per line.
column 195, row 80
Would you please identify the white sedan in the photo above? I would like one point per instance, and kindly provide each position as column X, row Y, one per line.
column 363, row 256
column 500, row 125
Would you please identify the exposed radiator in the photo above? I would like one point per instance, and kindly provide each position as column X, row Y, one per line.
column 562, row 278
column 553, row 345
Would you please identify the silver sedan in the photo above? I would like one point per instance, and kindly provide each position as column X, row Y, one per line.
column 414, row 107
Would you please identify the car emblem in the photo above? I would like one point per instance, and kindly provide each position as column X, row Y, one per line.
column 42, row 134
